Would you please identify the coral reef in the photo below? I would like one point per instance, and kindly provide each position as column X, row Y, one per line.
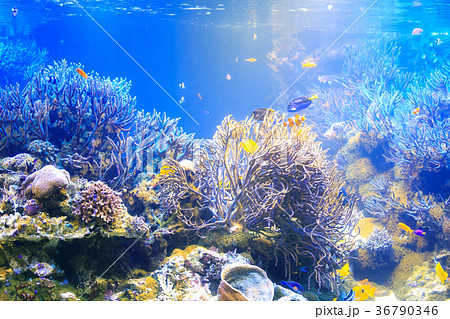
column 90, row 126
column 284, row 192
column 46, row 182
column 18, row 59
column 98, row 202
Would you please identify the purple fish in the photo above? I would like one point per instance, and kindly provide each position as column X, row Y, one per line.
column 419, row 232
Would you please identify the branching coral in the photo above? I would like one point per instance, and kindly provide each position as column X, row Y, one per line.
column 18, row 58
column 98, row 202
column 152, row 136
column 284, row 192
column 79, row 116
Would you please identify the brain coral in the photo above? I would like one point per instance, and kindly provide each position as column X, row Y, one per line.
column 97, row 201
column 46, row 182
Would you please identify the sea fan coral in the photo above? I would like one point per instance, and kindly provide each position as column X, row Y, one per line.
column 98, row 202
column 284, row 192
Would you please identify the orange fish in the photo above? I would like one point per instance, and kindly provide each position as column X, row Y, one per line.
column 416, row 110
column 250, row 60
column 228, row 77
column 237, row 58
column 297, row 119
column 255, row 36
column 199, row 96
column 82, row 73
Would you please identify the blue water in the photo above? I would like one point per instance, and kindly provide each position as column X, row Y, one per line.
column 197, row 42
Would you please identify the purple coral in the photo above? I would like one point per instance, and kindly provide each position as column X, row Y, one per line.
column 98, row 202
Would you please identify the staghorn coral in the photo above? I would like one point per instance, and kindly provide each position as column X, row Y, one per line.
column 285, row 193
column 98, row 202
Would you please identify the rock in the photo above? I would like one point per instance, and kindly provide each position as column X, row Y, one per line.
column 46, row 182
column 22, row 162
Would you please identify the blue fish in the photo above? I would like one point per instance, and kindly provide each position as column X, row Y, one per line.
column 300, row 103
column 350, row 296
column 303, row 269
column 52, row 79
column 294, row 286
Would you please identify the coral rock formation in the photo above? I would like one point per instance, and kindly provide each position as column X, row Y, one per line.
column 46, row 182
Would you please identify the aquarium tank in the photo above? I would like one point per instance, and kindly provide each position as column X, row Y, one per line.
column 211, row 150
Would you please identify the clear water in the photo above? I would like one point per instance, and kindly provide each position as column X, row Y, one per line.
column 203, row 60
column 197, row 42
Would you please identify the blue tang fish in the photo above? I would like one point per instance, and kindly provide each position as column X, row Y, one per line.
column 350, row 296
column 294, row 286
column 300, row 103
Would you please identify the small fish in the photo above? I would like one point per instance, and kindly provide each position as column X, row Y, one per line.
column 364, row 290
column 300, row 103
column 294, row 286
column 417, row 31
column 182, row 100
column 350, row 296
column 440, row 272
column 255, row 36
column 416, row 111
column 250, row 146
column 309, row 65
column 419, row 232
column 82, row 73
column 439, row 41
column 405, row 227
column 31, row 210
column 14, row 12
column 250, row 60
column 259, row 114
column 52, row 79
column 228, row 77
column 165, row 170
column 344, row 271
column 199, row 96
column 237, row 59
column 326, row 78
column 296, row 120
column 181, row 85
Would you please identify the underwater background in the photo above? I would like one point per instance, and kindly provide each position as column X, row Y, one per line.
column 224, row 150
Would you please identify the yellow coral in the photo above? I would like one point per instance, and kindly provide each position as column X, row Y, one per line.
column 183, row 253
column 361, row 171
column 405, row 268
column 366, row 225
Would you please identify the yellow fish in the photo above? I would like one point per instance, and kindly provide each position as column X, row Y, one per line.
column 250, row 146
column 309, row 65
column 82, row 73
column 364, row 290
column 405, row 227
column 250, row 60
column 441, row 273
column 344, row 271
column 165, row 170
column 255, row 36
